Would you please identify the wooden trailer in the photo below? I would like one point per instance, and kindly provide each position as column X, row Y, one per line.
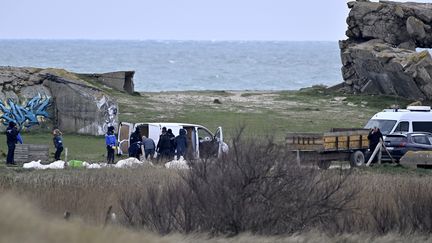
column 323, row 148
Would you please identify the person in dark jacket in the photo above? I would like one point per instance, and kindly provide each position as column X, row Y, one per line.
column 58, row 143
column 135, row 142
column 181, row 144
column 11, row 140
column 135, row 150
column 164, row 145
column 110, row 141
column 135, row 136
column 374, row 138
column 173, row 147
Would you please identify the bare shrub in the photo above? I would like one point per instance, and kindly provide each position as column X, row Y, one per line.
column 256, row 188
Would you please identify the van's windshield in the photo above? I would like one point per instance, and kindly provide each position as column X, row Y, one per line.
column 384, row 125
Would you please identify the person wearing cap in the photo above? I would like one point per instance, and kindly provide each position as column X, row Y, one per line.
column 11, row 140
column 110, row 141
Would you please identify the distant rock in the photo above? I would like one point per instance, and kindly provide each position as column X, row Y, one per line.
column 380, row 55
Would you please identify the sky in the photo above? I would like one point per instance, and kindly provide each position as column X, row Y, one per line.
column 287, row 20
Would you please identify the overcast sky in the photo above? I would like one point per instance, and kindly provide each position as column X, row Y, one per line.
column 174, row 19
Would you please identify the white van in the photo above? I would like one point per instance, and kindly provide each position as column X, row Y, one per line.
column 411, row 119
column 201, row 142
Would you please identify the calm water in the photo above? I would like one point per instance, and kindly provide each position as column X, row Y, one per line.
column 187, row 65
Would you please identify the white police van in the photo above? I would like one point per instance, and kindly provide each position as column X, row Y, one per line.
column 411, row 119
column 201, row 142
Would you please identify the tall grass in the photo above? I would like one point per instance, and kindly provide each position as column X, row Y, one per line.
column 22, row 222
column 255, row 189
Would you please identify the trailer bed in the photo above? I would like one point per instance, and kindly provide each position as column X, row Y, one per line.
column 322, row 148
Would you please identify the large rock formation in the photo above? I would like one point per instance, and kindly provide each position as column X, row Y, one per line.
column 74, row 105
column 120, row 80
column 380, row 54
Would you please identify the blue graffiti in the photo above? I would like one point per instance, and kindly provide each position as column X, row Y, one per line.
column 25, row 115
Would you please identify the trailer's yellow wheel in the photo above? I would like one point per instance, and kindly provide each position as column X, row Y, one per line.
column 357, row 159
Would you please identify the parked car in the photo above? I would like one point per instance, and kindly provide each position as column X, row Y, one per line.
column 202, row 142
column 400, row 143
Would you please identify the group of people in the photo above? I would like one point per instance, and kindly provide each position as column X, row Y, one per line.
column 13, row 136
column 167, row 147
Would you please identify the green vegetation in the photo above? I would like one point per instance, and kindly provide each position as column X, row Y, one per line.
column 263, row 114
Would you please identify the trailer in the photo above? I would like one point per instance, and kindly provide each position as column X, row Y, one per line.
column 323, row 148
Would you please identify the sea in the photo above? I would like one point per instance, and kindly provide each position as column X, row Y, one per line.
column 188, row 65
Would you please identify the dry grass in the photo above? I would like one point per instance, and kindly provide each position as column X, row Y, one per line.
column 22, row 222
column 256, row 189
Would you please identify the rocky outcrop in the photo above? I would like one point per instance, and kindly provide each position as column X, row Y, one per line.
column 380, row 57
column 75, row 105
column 121, row 80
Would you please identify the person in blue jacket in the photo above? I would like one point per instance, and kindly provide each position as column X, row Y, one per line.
column 110, row 141
column 58, row 143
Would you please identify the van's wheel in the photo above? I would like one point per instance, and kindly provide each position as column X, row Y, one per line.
column 357, row 159
column 324, row 164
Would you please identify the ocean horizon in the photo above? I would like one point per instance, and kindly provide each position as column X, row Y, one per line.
column 182, row 65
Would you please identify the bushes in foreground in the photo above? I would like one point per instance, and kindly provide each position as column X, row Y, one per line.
column 255, row 188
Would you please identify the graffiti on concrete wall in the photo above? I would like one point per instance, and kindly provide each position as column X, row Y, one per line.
column 28, row 114
column 109, row 113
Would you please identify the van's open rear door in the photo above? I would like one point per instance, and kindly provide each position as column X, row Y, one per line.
column 124, row 132
column 219, row 139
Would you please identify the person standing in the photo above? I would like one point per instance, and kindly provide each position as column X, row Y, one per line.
column 135, row 136
column 181, row 143
column 135, row 143
column 58, row 143
column 149, row 147
column 164, row 145
column 172, row 143
column 11, row 140
column 110, row 141
column 374, row 137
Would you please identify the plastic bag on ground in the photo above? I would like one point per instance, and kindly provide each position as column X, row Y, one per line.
column 177, row 164
column 129, row 162
column 33, row 165
column 59, row 164
column 91, row 166
column 75, row 163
